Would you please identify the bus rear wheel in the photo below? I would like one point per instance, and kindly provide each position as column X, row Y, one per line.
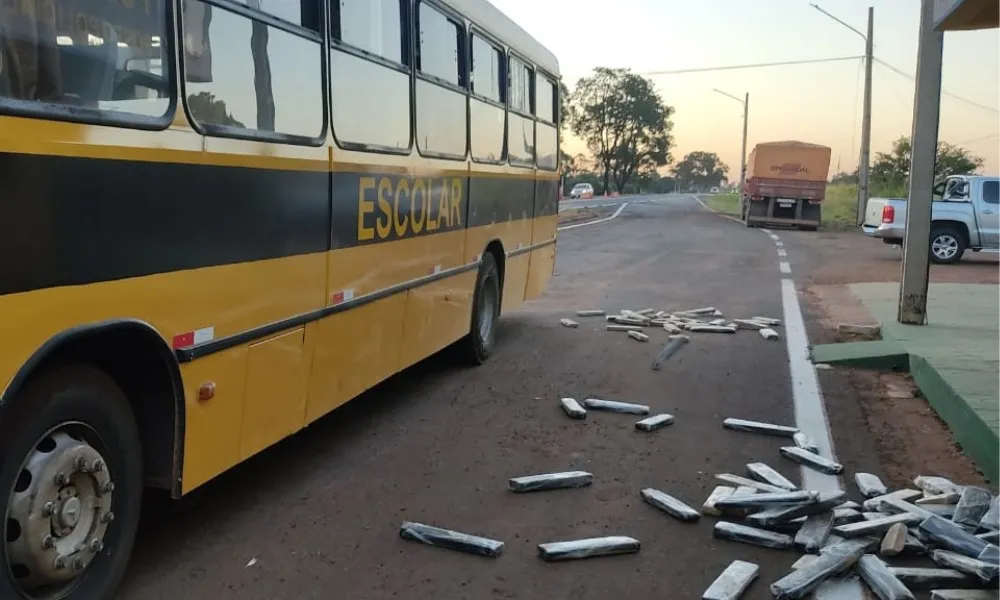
column 478, row 345
column 71, row 487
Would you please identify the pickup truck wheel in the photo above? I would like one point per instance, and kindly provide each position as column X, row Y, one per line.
column 947, row 245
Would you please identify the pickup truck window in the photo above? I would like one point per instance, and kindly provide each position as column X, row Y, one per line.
column 991, row 192
column 956, row 190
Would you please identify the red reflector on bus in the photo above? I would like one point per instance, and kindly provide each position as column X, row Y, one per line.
column 184, row 340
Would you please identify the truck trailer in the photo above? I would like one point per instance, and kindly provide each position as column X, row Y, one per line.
column 785, row 184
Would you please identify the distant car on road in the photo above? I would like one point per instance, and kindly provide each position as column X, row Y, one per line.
column 714, row 190
column 965, row 217
column 582, row 190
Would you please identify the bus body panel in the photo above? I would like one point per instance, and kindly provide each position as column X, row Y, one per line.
column 355, row 350
column 544, row 227
column 214, row 237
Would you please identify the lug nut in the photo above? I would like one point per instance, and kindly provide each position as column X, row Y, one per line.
column 61, row 479
column 98, row 466
column 96, row 546
column 78, row 564
column 107, row 517
column 48, row 542
column 59, row 562
column 109, row 487
column 48, row 508
column 80, row 463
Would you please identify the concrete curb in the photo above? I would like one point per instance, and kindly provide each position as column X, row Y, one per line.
column 973, row 434
column 977, row 439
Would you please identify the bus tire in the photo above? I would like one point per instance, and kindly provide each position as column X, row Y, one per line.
column 478, row 344
column 70, row 484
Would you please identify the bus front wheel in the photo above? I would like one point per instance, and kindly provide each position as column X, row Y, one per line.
column 478, row 345
column 71, row 486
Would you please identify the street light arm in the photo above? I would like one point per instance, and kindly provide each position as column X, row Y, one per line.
column 740, row 100
column 817, row 7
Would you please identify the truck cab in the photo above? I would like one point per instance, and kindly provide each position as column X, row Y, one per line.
column 965, row 215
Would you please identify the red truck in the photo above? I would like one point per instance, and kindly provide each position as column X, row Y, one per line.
column 785, row 185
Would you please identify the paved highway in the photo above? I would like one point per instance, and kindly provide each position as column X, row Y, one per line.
column 318, row 515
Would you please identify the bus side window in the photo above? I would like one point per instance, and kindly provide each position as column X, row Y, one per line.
column 488, row 117
column 101, row 56
column 546, row 136
column 520, row 124
column 277, row 89
column 441, row 96
column 370, row 75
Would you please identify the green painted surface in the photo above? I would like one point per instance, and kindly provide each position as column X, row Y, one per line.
column 884, row 355
column 954, row 359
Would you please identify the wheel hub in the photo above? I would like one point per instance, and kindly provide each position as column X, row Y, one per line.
column 58, row 513
column 944, row 246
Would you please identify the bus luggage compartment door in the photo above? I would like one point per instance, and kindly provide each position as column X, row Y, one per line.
column 275, row 404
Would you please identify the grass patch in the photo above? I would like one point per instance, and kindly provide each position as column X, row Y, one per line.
column 575, row 215
column 724, row 203
column 839, row 205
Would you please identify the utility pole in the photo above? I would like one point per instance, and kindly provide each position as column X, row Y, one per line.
column 745, row 101
column 866, row 119
column 866, row 124
column 743, row 150
column 926, row 114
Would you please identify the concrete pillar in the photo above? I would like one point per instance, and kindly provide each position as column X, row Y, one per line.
column 926, row 111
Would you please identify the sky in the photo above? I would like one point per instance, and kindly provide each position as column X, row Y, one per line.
column 818, row 103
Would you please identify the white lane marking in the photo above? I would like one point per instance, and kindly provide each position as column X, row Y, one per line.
column 604, row 220
column 699, row 201
column 784, row 267
column 710, row 209
column 773, row 236
column 781, row 252
column 810, row 414
column 779, row 243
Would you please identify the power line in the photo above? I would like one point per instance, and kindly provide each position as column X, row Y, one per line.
column 900, row 97
column 902, row 73
column 979, row 139
column 754, row 65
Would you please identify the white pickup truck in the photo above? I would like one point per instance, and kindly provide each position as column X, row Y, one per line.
column 965, row 215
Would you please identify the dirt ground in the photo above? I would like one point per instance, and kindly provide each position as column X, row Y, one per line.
column 909, row 438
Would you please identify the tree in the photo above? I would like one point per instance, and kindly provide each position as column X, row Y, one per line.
column 575, row 165
column 893, row 168
column 565, row 108
column 846, row 178
column 701, row 170
column 624, row 122
column 206, row 108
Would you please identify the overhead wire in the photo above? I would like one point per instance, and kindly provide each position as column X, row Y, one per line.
column 753, row 66
column 903, row 73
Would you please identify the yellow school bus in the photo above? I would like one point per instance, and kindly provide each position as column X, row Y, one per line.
column 222, row 219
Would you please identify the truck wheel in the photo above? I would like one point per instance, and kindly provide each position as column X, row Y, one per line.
column 70, row 485
column 745, row 214
column 478, row 345
column 947, row 245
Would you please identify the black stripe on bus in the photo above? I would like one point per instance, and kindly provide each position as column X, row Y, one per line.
column 74, row 220
column 190, row 353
